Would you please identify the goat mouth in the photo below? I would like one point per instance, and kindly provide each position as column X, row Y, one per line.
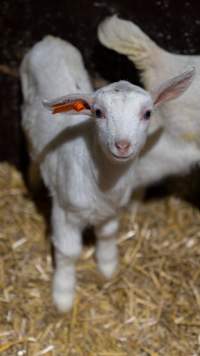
column 121, row 158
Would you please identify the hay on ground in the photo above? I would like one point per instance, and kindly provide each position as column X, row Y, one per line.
column 150, row 308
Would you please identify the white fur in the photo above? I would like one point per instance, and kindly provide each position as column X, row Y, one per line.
column 174, row 144
column 77, row 155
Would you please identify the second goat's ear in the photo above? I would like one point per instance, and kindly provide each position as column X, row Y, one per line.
column 75, row 102
column 173, row 88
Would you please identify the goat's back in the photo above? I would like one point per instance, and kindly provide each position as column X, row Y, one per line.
column 53, row 68
column 50, row 69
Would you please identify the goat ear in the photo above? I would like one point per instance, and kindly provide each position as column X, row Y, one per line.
column 173, row 88
column 74, row 102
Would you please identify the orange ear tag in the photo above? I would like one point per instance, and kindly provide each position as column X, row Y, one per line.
column 78, row 105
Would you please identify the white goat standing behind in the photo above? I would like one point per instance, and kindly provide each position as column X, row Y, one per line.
column 174, row 145
column 87, row 152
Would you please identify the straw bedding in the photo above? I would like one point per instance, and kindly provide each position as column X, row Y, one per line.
column 150, row 307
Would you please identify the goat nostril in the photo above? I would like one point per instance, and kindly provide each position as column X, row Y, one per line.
column 122, row 145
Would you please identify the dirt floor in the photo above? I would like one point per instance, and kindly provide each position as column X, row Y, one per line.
column 150, row 308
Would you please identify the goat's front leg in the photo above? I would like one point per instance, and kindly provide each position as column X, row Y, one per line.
column 106, row 249
column 68, row 244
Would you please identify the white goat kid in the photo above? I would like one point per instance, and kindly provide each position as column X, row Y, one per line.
column 87, row 152
column 174, row 145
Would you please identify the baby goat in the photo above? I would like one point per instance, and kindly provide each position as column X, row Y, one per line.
column 173, row 146
column 86, row 144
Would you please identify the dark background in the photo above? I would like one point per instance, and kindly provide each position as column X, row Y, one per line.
column 173, row 24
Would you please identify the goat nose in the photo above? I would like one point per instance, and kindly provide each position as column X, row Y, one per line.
column 122, row 145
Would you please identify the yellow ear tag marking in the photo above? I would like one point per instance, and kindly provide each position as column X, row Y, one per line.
column 191, row 137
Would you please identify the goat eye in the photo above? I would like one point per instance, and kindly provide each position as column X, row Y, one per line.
column 147, row 115
column 99, row 113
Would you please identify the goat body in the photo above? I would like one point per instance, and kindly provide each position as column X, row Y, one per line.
column 71, row 162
